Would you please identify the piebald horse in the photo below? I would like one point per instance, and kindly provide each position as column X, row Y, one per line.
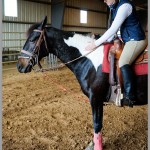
column 68, row 46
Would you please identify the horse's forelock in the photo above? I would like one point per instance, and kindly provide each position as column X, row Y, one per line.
column 31, row 28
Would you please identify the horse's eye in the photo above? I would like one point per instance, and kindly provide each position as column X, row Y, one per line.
column 31, row 41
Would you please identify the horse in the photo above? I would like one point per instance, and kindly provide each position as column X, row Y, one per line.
column 69, row 47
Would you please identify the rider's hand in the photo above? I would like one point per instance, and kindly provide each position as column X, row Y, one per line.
column 90, row 46
column 112, row 50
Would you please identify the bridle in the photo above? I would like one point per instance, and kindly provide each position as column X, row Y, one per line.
column 33, row 57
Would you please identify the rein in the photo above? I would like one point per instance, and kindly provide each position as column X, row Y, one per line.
column 62, row 64
column 37, row 48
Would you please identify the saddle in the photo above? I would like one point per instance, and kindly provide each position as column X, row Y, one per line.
column 115, row 76
column 115, row 51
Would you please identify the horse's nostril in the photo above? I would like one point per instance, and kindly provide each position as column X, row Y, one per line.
column 18, row 66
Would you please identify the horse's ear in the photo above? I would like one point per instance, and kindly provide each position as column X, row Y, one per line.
column 43, row 23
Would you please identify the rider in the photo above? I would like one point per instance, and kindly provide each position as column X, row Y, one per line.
column 124, row 18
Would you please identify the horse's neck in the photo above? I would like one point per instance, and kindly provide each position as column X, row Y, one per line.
column 64, row 52
column 72, row 47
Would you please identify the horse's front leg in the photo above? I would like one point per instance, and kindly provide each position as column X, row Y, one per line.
column 97, row 112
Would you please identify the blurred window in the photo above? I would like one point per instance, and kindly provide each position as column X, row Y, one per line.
column 10, row 8
column 83, row 16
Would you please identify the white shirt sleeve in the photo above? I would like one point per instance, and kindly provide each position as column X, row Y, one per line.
column 111, row 38
column 123, row 12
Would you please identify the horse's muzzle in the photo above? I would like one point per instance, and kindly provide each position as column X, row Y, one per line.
column 23, row 65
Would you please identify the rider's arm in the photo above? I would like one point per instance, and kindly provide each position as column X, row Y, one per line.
column 123, row 12
column 111, row 38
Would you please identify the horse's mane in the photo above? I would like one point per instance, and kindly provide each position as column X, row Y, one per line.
column 31, row 28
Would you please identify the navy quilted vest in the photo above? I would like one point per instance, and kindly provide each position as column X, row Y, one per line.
column 131, row 28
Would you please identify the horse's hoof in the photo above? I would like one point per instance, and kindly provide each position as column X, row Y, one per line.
column 127, row 102
column 90, row 146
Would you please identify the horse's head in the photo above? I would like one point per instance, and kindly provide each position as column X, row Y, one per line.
column 35, row 48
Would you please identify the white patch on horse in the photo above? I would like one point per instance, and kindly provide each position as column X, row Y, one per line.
column 80, row 42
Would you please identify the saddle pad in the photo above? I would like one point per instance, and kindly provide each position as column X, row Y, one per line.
column 139, row 69
column 105, row 65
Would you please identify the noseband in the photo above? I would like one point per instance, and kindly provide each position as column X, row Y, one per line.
column 35, row 53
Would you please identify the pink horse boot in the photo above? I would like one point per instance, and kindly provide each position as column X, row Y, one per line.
column 98, row 141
